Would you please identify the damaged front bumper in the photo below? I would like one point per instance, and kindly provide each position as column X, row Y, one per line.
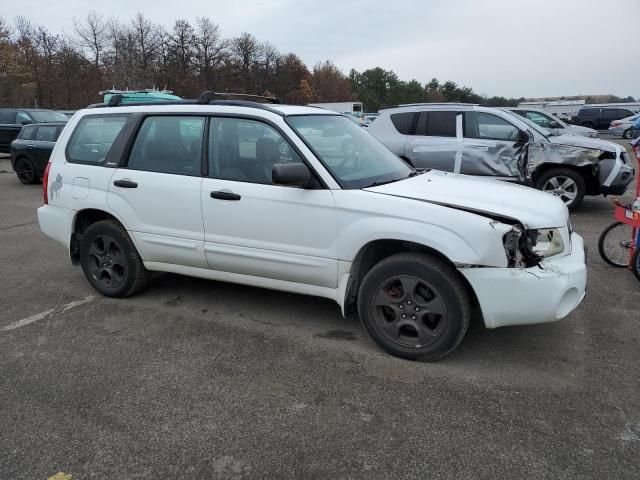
column 540, row 294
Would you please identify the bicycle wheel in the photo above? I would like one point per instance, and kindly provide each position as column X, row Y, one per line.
column 635, row 263
column 614, row 244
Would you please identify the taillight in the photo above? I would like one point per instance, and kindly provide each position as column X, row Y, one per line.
column 615, row 124
column 45, row 184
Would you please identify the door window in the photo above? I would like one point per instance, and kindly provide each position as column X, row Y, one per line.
column 246, row 150
column 169, row 144
column 93, row 137
column 46, row 133
column 540, row 119
column 437, row 124
column 488, row 126
column 403, row 122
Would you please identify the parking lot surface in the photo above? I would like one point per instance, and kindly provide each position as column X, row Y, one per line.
column 200, row 379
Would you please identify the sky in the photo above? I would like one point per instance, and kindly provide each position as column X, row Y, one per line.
column 514, row 48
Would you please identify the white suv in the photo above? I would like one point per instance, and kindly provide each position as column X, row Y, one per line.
column 303, row 200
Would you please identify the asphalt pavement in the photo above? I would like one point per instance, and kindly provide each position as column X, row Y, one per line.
column 201, row 379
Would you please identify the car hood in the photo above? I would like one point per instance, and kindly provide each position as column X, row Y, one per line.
column 530, row 207
column 580, row 130
column 585, row 142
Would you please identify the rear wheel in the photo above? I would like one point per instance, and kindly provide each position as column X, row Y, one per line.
column 110, row 261
column 26, row 171
column 414, row 306
column 565, row 184
column 614, row 244
column 627, row 134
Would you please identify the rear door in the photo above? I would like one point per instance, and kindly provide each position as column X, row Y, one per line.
column 608, row 116
column 434, row 142
column 157, row 191
column 42, row 144
column 491, row 147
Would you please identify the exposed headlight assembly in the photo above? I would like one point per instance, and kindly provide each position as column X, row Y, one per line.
column 548, row 242
column 526, row 248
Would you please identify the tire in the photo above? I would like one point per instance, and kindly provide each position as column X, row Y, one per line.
column 635, row 263
column 614, row 244
column 431, row 295
column 26, row 171
column 110, row 261
column 627, row 134
column 564, row 183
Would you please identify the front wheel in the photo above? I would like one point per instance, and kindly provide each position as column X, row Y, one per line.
column 614, row 244
column 565, row 184
column 414, row 306
column 627, row 134
column 110, row 261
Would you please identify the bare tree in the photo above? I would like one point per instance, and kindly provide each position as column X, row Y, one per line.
column 211, row 52
column 245, row 51
column 147, row 39
column 93, row 34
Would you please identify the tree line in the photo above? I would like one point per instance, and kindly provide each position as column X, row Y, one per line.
column 40, row 68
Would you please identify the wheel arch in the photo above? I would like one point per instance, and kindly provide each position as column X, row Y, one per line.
column 377, row 250
column 82, row 220
column 588, row 173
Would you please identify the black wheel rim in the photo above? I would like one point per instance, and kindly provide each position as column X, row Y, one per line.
column 409, row 311
column 106, row 261
column 24, row 171
column 616, row 244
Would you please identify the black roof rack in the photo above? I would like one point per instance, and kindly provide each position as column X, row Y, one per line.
column 205, row 98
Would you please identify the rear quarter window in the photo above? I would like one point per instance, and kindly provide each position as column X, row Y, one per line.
column 47, row 133
column 93, row 137
column 403, row 122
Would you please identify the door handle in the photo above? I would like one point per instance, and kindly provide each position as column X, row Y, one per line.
column 225, row 195
column 478, row 147
column 125, row 183
column 31, row 146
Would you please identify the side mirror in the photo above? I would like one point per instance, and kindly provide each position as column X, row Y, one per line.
column 554, row 124
column 292, row 174
column 25, row 122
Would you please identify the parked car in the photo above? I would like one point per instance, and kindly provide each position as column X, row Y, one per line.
column 554, row 124
column 624, row 126
column 30, row 152
column 12, row 120
column 600, row 118
column 202, row 189
column 497, row 143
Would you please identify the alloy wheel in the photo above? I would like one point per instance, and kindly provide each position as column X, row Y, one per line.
column 107, row 264
column 24, row 171
column 409, row 311
column 563, row 187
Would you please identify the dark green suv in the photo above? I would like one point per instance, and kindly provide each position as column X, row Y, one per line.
column 31, row 150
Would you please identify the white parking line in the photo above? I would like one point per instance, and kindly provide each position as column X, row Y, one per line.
column 46, row 313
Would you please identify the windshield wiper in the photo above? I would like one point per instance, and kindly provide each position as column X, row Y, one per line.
column 377, row 184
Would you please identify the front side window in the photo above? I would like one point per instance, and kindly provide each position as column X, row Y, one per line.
column 488, row 126
column 353, row 156
column 46, row 133
column 168, row 144
column 589, row 111
column 27, row 133
column 246, row 150
column 93, row 137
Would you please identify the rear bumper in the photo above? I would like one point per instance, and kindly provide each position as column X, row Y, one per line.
column 55, row 222
column 522, row 296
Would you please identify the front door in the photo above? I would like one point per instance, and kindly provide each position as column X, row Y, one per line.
column 492, row 147
column 253, row 227
column 158, row 191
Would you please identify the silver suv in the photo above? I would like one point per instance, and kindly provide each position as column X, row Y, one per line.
column 491, row 142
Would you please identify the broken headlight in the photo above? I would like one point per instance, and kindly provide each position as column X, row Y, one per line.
column 526, row 248
column 548, row 242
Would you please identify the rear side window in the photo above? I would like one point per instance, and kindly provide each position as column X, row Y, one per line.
column 437, row 124
column 169, row 144
column 8, row 116
column 488, row 126
column 27, row 133
column 46, row 133
column 93, row 138
column 403, row 122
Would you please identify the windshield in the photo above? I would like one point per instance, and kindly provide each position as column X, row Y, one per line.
column 534, row 125
column 46, row 116
column 353, row 156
